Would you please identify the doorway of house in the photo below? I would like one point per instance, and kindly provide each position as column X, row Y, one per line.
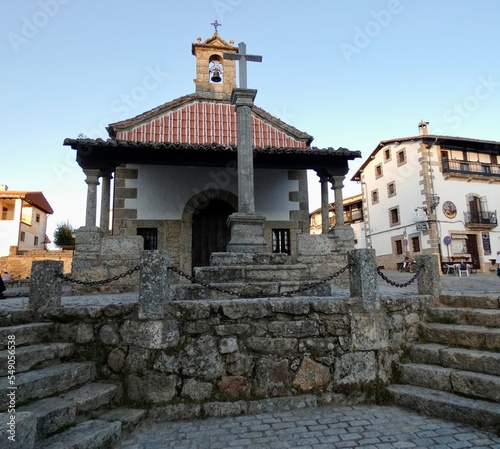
column 210, row 232
column 473, row 250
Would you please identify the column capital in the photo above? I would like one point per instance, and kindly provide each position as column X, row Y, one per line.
column 92, row 176
column 243, row 97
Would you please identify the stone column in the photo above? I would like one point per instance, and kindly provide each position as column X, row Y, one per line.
column 105, row 201
column 429, row 281
column 153, row 284
column 247, row 227
column 337, row 185
column 363, row 278
column 45, row 286
column 92, row 183
column 325, row 204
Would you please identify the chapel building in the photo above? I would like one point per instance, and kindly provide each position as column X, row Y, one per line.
column 175, row 170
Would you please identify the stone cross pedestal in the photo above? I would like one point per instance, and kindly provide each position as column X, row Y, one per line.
column 247, row 227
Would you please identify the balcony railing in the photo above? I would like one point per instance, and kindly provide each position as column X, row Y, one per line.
column 468, row 167
column 481, row 219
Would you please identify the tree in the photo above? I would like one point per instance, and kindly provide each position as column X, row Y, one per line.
column 63, row 235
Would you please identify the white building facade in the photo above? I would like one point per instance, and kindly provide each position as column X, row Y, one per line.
column 432, row 194
column 23, row 221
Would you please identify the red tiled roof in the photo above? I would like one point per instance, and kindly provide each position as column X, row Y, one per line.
column 36, row 199
column 193, row 119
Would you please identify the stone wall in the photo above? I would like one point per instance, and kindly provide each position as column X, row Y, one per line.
column 19, row 265
column 99, row 256
column 231, row 353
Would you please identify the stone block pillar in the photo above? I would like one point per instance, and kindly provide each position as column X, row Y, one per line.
column 153, row 284
column 247, row 227
column 45, row 285
column 92, row 181
column 105, row 202
column 429, row 282
column 363, row 278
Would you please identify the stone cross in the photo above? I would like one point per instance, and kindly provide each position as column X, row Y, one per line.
column 242, row 57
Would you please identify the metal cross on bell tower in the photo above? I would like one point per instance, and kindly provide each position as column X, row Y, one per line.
column 216, row 25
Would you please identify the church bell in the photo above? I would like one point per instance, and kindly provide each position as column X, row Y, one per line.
column 216, row 76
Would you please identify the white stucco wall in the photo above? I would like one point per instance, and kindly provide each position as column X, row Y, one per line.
column 163, row 191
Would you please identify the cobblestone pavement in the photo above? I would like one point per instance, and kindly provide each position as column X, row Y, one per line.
column 368, row 427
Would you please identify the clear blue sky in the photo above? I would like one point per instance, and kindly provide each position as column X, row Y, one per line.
column 348, row 72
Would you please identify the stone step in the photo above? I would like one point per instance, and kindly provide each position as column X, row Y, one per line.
column 25, row 334
column 57, row 413
column 12, row 317
column 29, row 356
column 246, row 290
column 262, row 273
column 129, row 417
column 92, row 434
column 465, row 383
column 460, row 358
column 479, row 302
column 461, row 335
column 465, row 315
column 474, row 412
column 45, row 382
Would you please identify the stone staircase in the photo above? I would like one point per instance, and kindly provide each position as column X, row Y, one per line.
column 260, row 275
column 71, row 408
column 454, row 373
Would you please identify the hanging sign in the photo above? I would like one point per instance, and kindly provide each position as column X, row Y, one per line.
column 421, row 226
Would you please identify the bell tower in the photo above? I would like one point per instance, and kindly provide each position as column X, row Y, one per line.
column 215, row 76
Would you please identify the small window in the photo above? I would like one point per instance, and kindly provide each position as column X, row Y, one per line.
column 378, row 171
column 391, row 188
column 23, row 236
column 375, row 196
column 394, row 216
column 415, row 244
column 37, row 219
column 281, row 241
column 401, row 157
column 35, row 241
column 387, row 154
column 150, row 236
column 398, row 247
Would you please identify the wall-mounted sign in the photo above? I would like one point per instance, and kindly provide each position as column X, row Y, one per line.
column 449, row 209
column 447, row 240
column 421, row 226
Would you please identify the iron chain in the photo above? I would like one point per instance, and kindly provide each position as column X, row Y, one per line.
column 401, row 285
column 67, row 278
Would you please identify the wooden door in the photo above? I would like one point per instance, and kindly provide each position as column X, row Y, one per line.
column 473, row 250
column 210, row 232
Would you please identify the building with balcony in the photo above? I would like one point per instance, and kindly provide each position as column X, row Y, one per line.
column 353, row 216
column 432, row 194
column 23, row 221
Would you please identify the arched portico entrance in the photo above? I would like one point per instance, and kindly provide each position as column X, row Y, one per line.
column 210, row 231
column 204, row 226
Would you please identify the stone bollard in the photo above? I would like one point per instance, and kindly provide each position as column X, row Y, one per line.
column 45, row 285
column 153, row 284
column 363, row 277
column 429, row 282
